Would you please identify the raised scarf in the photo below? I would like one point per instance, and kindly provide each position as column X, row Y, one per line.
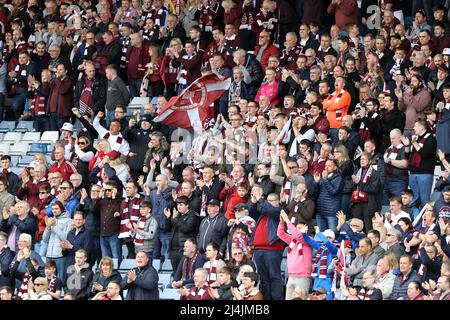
column 321, row 261
column 139, row 239
column 129, row 216
column 416, row 158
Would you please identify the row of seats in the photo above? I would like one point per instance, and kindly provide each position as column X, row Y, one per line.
column 22, row 126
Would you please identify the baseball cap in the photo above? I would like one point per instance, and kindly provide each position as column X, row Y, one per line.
column 329, row 233
column 67, row 126
column 33, row 164
column 240, row 206
column 214, row 202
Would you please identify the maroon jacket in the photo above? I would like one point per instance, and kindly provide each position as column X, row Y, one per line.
column 60, row 96
column 31, row 192
column 346, row 12
column 109, row 225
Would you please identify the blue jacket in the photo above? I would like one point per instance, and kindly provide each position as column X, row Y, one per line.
column 159, row 202
column 442, row 130
column 330, row 193
column 83, row 240
column 258, row 210
column 6, row 257
column 71, row 206
column 332, row 251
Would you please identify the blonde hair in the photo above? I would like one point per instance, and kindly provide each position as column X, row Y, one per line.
column 42, row 157
column 392, row 260
column 43, row 281
column 344, row 152
column 243, row 269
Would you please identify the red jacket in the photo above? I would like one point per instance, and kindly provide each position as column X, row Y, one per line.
column 31, row 192
column 66, row 169
column 271, row 50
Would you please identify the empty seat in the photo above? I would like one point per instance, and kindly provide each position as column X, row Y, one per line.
column 435, row 195
column 6, row 126
column 15, row 160
column 12, row 137
column 50, row 136
column 127, row 264
column 25, row 161
column 165, row 279
column 156, row 264
column 37, row 148
column 166, row 266
column 24, row 126
column 170, row 294
column 32, row 136
column 19, row 148
column 4, row 148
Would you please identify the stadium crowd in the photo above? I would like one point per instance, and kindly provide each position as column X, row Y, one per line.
column 320, row 173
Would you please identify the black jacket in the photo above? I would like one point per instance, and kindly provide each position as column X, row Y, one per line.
column 213, row 191
column 255, row 70
column 98, row 93
column 77, row 284
column 138, row 140
column 145, row 287
column 183, row 227
column 103, row 281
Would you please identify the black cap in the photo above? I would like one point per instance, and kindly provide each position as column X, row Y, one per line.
column 214, row 202
column 146, row 117
column 240, row 206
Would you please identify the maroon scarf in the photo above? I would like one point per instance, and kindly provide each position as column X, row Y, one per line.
column 24, row 286
column 138, row 239
column 321, row 261
column 296, row 244
column 416, row 158
column 392, row 150
column 191, row 267
column 129, row 216
column 212, row 271
column 365, row 295
column 86, row 97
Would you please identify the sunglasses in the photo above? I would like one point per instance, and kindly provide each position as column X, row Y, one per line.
column 38, row 284
column 81, row 143
column 108, row 190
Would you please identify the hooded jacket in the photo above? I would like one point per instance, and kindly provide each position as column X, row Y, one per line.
column 56, row 234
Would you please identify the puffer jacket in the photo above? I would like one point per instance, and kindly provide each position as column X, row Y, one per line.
column 56, row 234
column 330, row 192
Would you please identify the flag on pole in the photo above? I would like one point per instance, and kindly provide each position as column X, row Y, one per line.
column 190, row 109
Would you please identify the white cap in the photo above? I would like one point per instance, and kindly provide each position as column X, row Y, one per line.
column 329, row 233
column 33, row 164
column 67, row 126
column 446, row 51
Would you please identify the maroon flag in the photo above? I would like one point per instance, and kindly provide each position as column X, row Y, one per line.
column 190, row 109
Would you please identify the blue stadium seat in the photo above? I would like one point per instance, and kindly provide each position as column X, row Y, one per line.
column 16, row 170
column 24, row 126
column 37, row 148
column 170, row 294
column 127, row 264
column 6, row 126
column 25, row 161
column 15, row 160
